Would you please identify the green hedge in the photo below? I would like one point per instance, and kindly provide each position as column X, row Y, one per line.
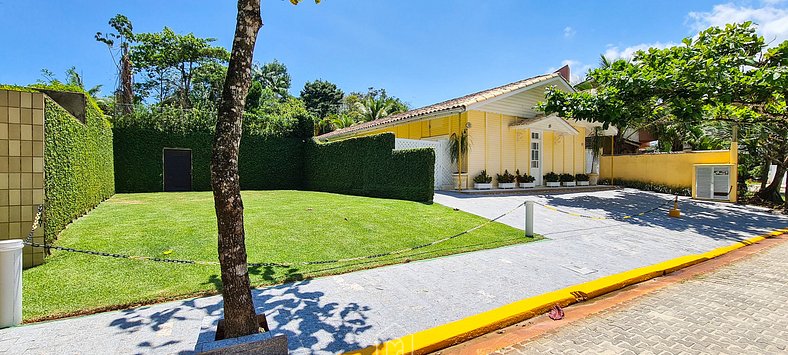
column 367, row 166
column 364, row 166
column 650, row 186
column 264, row 162
column 78, row 164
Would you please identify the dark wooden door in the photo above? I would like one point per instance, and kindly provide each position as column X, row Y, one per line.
column 177, row 169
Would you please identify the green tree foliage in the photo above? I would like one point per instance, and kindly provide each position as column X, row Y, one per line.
column 274, row 76
column 169, row 62
column 322, row 98
column 376, row 104
column 724, row 74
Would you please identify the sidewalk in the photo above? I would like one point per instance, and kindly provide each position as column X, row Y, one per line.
column 354, row 310
column 740, row 308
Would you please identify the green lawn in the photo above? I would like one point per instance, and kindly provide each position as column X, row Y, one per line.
column 281, row 226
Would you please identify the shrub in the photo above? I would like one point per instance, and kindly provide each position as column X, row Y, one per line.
column 650, row 186
column 77, row 164
column 581, row 177
column 566, row 178
column 505, row 178
column 482, row 178
column 551, row 177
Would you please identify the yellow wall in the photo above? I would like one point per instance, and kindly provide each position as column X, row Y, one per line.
column 672, row 169
column 495, row 147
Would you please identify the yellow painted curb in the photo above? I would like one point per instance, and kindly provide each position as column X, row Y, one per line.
column 449, row 334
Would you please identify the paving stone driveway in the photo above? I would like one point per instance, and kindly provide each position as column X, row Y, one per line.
column 350, row 311
column 740, row 309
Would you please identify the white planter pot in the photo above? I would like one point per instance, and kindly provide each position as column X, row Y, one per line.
column 582, row 183
column 572, row 183
column 507, row 185
column 479, row 186
column 552, row 184
column 528, row 185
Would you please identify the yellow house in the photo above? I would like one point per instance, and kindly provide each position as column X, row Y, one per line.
column 504, row 131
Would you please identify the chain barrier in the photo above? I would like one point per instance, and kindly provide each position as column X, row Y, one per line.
column 622, row 218
column 37, row 223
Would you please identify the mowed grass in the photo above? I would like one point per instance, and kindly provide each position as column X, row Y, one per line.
column 281, row 226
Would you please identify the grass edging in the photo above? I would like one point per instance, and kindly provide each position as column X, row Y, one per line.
column 452, row 333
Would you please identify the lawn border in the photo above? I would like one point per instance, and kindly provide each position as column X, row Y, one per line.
column 452, row 333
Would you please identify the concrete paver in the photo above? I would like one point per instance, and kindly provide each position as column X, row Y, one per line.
column 358, row 309
column 741, row 308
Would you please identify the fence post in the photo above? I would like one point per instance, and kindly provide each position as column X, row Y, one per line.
column 529, row 219
column 10, row 282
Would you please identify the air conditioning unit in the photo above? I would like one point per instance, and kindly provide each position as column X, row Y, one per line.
column 712, row 182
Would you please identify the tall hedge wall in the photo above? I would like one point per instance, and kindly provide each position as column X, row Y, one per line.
column 368, row 166
column 78, row 164
column 264, row 162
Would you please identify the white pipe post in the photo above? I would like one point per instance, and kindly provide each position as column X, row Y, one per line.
column 529, row 219
column 10, row 282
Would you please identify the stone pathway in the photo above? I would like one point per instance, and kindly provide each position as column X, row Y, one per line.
column 354, row 310
column 741, row 308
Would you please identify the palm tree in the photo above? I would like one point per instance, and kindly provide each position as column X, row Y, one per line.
column 341, row 121
column 374, row 107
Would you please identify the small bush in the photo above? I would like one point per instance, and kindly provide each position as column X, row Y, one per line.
column 581, row 177
column 566, row 178
column 649, row 186
column 482, row 178
column 506, row 178
column 551, row 177
column 523, row 178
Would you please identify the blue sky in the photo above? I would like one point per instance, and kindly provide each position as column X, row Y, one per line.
column 421, row 51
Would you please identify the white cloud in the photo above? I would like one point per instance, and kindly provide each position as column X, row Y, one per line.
column 569, row 32
column 613, row 52
column 772, row 21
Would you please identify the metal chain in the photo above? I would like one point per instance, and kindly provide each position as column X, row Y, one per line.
column 36, row 224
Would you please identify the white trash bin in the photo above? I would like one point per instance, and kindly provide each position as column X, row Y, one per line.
column 10, row 282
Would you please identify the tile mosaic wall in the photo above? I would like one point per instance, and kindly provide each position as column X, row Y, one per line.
column 21, row 167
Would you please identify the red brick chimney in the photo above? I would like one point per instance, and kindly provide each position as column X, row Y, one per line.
column 564, row 72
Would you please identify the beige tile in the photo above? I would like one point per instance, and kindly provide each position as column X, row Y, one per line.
column 38, row 116
column 39, row 233
column 38, row 180
column 13, row 148
column 13, row 214
column 3, row 98
column 3, row 197
column 13, row 98
column 3, row 130
column 38, row 196
column 26, row 132
column 38, row 258
column 38, row 100
column 26, row 200
column 14, row 164
column 38, row 165
column 3, row 164
column 14, row 131
column 3, row 148
column 26, row 99
column 14, row 197
column 38, row 149
column 3, row 215
column 24, row 228
column 3, row 231
column 3, row 181
column 3, row 114
column 13, row 115
column 26, row 164
column 27, row 213
column 14, row 180
column 26, row 148
column 38, row 133
column 26, row 116
column 27, row 262
column 26, row 181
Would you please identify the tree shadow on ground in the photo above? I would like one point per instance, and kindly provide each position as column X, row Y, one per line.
column 719, row 221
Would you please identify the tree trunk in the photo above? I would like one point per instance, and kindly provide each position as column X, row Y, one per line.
column 765, row 173
column 239, row 313
column 126, row 93
column 772, row 191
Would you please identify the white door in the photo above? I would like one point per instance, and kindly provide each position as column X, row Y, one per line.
column 536, row 156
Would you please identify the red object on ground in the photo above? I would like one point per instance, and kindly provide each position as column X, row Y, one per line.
column 556, row 313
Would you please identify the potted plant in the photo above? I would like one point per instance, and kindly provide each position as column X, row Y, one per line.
column 582, row 179
column 482, row 181
column 458, row 149
column 551, row 180
column 596, row 149
column 506, row 181
column 525, row 181
column 567, row 179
